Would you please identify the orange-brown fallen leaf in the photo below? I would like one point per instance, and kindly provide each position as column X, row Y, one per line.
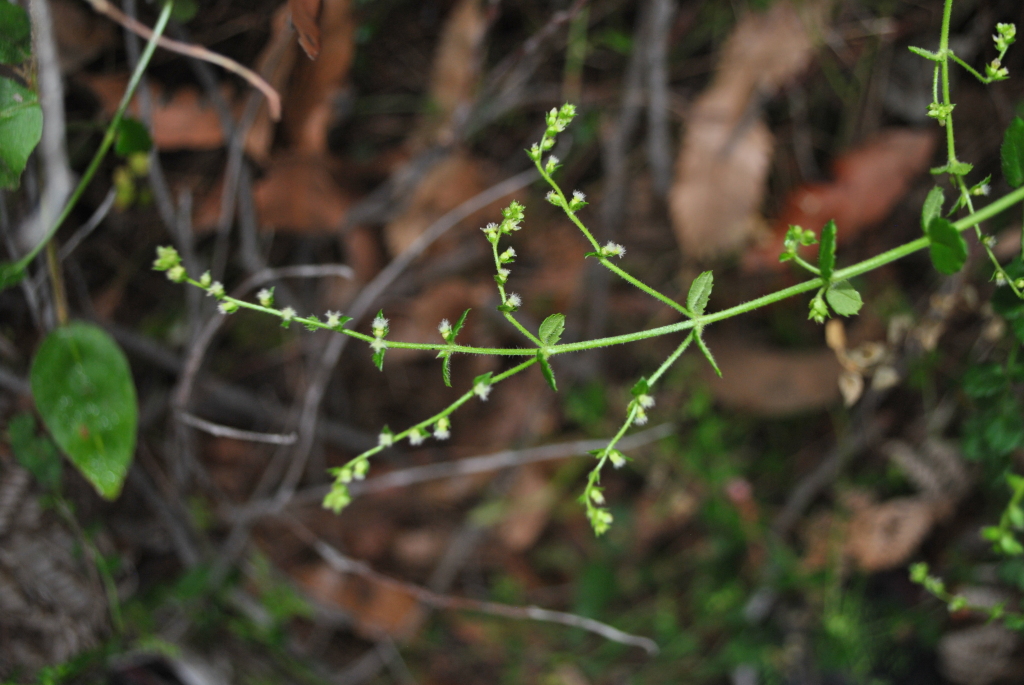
column 305, row 15
column 185, row 120
column 724, row 160
column 529, row 508
column 299, row 194
column 869, row 181
column 770, row 382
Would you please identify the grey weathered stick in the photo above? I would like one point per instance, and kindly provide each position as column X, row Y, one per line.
column 217, row 430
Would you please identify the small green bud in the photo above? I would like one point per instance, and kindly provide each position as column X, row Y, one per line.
column 551, row 165
column 442, row 429
column 227, row 307
column 1019, row 283
column 216, row 289
column 337, row 499
column 177, row 274
column 819, row 311
column 386, row 438
column 379, row 326
column 266, row 297
column 287, row 314
column 482, row 390
column 166, row 258
column 578, row 201
column 508, row 256
column 612, row 250
column 205, row 280
column 445, row 329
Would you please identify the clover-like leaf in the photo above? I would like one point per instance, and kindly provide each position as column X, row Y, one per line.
column 844, row 298
column 21, row 126
column 932, row 206
column 545, row 368
column 84, row 392
column 1012, row 153
column 827, row 251
column 15, row 34
column 700, row 292
column 947, row 246
column 551, row 329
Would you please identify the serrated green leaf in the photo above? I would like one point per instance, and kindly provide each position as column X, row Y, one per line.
column 21, row 126
column 843, row 298
column 378, row 359
column 707, row 355
column 927, row 54
column 15, row 34
column 1012, row 153
column 641, row 387
column 132, row 137
column 35, row 453
column 947, row 246
column 545, row 368
column 700, row 292
column 551, row 329
column 84, row 392
column 932, row 206
column 11, row 273
column 458, row 325
column 827, row 251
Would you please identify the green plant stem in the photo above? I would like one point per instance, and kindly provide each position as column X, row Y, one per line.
column 947, row 13
column 108, row 137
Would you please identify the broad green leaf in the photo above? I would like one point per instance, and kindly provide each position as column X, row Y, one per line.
column 21, row 126
column 843, row 298
column 84, row 392
column 15, row 34
column 700, row 292
column 932, row 207
column 827, row 251
column 132, row 137
column 11, row 273
column 37, row 454
column 948, row 248
column 545, row 368
column 707, row 354
column 642, row 387
column 1012, row 153
column 551, row 329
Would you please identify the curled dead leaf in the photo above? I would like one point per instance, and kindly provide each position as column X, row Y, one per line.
column 883, row 536
column 305, row 15
column 299, row 194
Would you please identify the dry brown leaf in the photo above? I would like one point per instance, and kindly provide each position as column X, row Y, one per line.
column 455, row 74
column 421, row 547
column 771, row 382
column 869, row 181
column 275, row 63
column 883, row 536
column 377, row 608
column 183, row 121
column 530, row 502
column 299, row 194
column 724, row 160
column 315, row 85
column 447, row 185
column 305, row 16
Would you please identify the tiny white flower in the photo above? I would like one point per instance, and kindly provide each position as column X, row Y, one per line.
column 216, row 289
column 266, row 297
column 553, row 198
column 482, row 390
column 227, row 307
column 579, row 195
column 333, row 319
column 378, row 344
column 612, row 250
column 379, row 326
column 646, row 401
column 596, row 495
column 386, row 439
column 362, row 466
column 205, row 280
column 507, row 256
column 514, row 300
column 444, row 328
column 287, row 314
column 641, row 416
column 442, row 428
column 416, row 437
column 616, row 459
column 177, row 273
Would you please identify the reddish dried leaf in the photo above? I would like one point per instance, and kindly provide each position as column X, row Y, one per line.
column 314, row 86
column 724, row 160
column 299, row 194
column 184, row 121
column 869, row 181
column 530, row 502
column 884, row 536
column 305, row 16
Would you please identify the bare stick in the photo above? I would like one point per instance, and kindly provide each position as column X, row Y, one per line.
column 89, row 226
column 197, row 51
column 220, row 431
column 343, row 564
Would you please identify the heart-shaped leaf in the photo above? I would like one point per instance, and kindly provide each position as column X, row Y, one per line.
column 844, row 298
column 84, row 393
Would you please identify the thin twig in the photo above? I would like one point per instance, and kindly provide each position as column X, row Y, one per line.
column 659, row 140
column 195, row 51
column 220, row 431
column 89, row 226
column 343, row 564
